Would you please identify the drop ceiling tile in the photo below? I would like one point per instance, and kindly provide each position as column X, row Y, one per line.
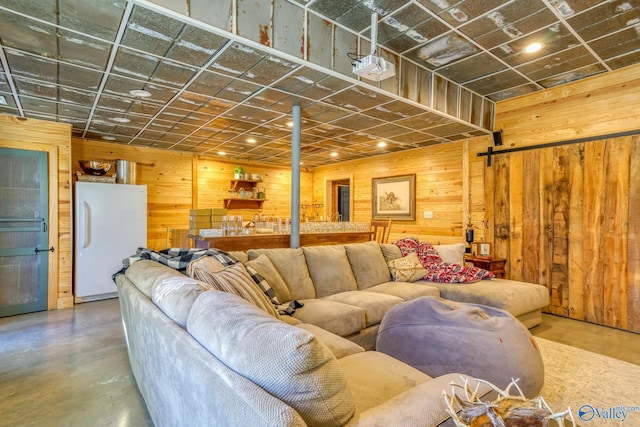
column 495, row 82
column 358, row 99
column 250, row 114
column 624, row 61
column 150, row 31
column 572, row 75
column 300, row 80
column 92, row 17
column 332, row 8
column 619, row 44
column 270, row 69
column 237, row 59
column 422, row 121
column 387, row 131
column 459, row 12
column 195, row 46
column 35, row 88
column 189, row 101
column 127, row 105
column 357, row 18
column 357, row 122
column 472, row 68
column 237, row 91
column 559, row 63
column 209, row 83
column 392, row 111
column 441, row 51
column 555, row 38
column 606, row 18
column 40, row 38
column 266, row 98
column 510, row 22
column 135, row 64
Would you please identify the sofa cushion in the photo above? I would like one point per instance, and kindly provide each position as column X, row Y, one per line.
column 233, row 279
column 375, row 378
column 405, row 290
column 175, row 296
column 452, row 253
column 390, row 251
column 265, row 268
column 374, row 304
column 145, row 274
column 288, row 362
column 329, row 269
column 367, row 263
column 407, row 268
column 340, row 347
column 515, row 297
column 292, row 266
column 341, row 319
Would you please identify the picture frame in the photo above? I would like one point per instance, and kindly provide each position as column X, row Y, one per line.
column 481, row 249
column 394, row 197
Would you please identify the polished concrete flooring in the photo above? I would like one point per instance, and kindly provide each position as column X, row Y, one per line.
column 70, row 367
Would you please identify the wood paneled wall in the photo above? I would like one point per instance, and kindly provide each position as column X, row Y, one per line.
column 565, row 216
column 440, row 173
column 54, row 138
column 177, row 182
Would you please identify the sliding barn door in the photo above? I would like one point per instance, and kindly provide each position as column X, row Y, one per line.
column 568, row 218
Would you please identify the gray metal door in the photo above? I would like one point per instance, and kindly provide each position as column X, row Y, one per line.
column 24, row 243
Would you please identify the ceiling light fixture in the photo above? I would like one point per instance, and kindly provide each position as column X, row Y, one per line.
column 120, row 119
column 221, row 153
column 109, row 138
column 140, row 93
column 251, row 140
column 533, row 47
column 381, row 144
column 334, row 154
column 373, row 67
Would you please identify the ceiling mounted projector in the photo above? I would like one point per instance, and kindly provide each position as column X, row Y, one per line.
column 373, row 67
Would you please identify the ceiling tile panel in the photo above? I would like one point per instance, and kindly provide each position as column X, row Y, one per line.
column 606, row 18
column 195, row 46
column 458, row 12
column 443, row 50
column 150, row 31
column 472, row 68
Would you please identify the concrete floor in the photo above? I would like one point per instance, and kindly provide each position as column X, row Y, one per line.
column 70, row 367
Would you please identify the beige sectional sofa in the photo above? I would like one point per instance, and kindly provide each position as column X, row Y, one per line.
column 211, row 358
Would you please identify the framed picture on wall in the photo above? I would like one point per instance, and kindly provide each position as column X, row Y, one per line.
column 394, row 197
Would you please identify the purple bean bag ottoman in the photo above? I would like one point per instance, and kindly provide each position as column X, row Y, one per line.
column 438, row 336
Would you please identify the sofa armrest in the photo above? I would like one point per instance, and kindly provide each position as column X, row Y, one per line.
column 421, row 406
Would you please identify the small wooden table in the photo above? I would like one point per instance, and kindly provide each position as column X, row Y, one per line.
column 494, row 265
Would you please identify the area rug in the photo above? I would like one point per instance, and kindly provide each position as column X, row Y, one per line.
column 601, row 391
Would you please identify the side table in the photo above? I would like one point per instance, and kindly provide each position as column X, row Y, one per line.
column 494, row 265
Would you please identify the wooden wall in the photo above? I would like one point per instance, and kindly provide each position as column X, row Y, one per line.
column 177, row 182
column 55, row 139
column 444, row 178
column 565, row 216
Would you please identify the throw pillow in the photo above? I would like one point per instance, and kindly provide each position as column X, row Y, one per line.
column 263, row 265
column 233, row 279
column 407, row 269
column 451, row 253
column 288, row 362
column 286, row 308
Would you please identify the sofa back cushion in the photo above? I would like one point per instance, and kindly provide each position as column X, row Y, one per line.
column 175, row 296
column 367, row 264
column 329, row 269
column 288, row 362
column 292, row 266
column 233, row 279
column 390, row 251
column 146, row 274
column 452, row 253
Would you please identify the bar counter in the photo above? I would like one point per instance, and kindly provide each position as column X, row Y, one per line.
column 268, row 241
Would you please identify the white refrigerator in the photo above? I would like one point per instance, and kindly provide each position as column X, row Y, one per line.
column 110, row 224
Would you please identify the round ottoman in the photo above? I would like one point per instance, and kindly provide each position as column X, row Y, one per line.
column 438, row 336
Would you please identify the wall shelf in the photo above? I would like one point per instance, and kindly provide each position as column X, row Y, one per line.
column 239, row 203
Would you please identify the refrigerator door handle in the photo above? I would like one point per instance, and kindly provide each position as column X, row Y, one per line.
column 86, row 218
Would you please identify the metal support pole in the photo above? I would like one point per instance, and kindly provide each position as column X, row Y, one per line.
column 295, row 177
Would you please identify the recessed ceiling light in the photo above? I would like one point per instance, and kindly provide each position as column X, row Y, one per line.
column 382, row 144
column 120, row 119
column 290, row 124
column 334, row 154
column 533, row 47
column 251, row 140
column 221, row 153
column 141, row 93
column 301, row 163
column 109, row 138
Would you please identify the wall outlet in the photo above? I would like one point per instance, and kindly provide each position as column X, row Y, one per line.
column 428, row 214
